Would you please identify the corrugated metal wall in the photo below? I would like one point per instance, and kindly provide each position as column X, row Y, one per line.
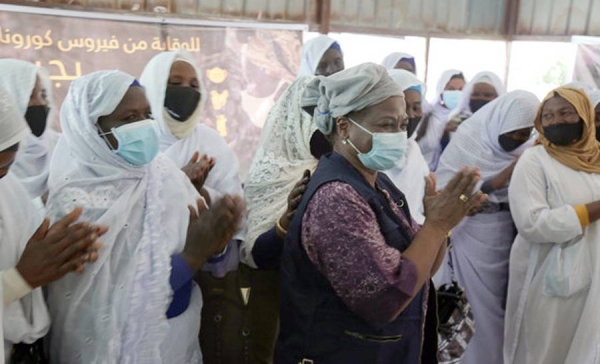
column 558, row 17
column 474, row 18
column 444, row 17
column 294, row 11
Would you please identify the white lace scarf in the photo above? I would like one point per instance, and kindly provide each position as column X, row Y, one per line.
column 282, row 156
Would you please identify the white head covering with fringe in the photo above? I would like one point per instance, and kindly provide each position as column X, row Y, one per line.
column 283, row 155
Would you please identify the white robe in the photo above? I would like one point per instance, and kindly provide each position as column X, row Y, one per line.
column 115, row 312
column 25, row 320
column 409, row 176
column 542, row 328
column 481, row 244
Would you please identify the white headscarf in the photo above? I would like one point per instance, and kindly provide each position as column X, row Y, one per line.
column 18, row 78
column 409, row 174
column 392, row 60
column 26, row 319
column 282, row 156
column 583, row 86
column 407, row 80
column 224, row 177
column 464, row 109
column 476, row 141
column 349, row 90
column 312, row 52
column 595, row 98
column 115, row 312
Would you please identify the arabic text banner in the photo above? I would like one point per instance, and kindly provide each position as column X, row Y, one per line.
column 245, row 70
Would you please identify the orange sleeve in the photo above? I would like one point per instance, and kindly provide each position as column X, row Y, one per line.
column 582, row 214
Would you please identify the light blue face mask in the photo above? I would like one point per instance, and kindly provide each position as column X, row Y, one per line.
column 388, row 149
column 451, row 98
column 138, row 141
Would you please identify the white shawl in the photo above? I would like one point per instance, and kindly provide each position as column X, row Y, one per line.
column 312, row 52
column 392, row 59
column 464, row 109
column 224, row 177
column 115, row 312
column 476, row 141
column 33, row 159
column 26, row 319
column 282, row 156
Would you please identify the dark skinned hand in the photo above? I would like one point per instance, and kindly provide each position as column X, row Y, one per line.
column 210, row 230
column 197, row 171
column 294, row 199
column 444, row 209
column 54, row 251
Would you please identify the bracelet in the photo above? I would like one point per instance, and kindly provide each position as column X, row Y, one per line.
column 280, row 229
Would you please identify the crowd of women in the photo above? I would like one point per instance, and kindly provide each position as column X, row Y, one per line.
column 130, row 238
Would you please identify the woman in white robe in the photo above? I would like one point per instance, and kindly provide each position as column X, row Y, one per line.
column 27, row 256
column 321, row 56
column 481, row 89
column 554, row 287
column 106, row 161
column 433, row 126
column 492, row 140
column 409, row 174
column 174, row 85
column 23, row 82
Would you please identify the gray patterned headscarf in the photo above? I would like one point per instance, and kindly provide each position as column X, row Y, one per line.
column 350, row 90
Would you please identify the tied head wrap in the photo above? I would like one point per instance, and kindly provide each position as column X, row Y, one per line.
column 583, row 155
column 344, row 92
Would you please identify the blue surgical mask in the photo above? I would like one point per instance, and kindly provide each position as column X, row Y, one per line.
column 451, row 98
column 138, row 141
column 388, row 149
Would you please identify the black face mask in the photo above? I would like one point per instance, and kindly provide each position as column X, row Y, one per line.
column 564, row 134
column 412, row 126
column 36, row 117
column 181, row 102
column 319, row 145
column 509, row 144
column 476, row 104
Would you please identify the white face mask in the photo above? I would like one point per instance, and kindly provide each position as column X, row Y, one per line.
column 388, row 149
column 138, row 141
column 451, row 98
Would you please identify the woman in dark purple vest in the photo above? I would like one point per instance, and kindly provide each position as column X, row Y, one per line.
column 355, row 267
